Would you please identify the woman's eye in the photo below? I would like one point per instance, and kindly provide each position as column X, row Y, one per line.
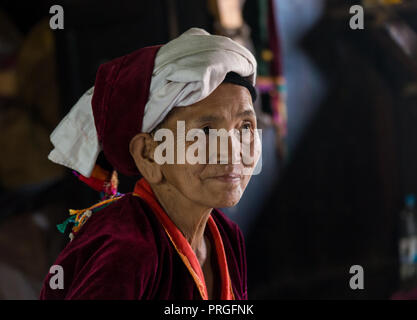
column 206, row 130
column 247, row 126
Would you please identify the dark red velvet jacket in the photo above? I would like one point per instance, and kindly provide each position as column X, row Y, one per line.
column 123, row 252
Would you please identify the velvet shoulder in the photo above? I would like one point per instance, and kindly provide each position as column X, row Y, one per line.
column 226, row 226
column 112, row 256
column 124, row 220
column 234, row 244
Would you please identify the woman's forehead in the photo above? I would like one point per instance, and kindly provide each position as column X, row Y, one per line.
column 231, row 101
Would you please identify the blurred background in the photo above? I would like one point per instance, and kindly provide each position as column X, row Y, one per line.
column 338, row 110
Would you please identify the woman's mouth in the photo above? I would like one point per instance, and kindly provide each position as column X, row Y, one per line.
column 229, row 178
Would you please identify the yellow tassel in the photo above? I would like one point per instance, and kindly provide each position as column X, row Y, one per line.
column 83, row 214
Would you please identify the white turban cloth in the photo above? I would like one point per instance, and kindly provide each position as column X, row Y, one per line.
column 186, row 70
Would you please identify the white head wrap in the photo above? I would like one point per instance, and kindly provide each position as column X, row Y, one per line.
column 187, row 70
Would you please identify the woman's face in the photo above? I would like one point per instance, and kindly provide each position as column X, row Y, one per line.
column 210, row 182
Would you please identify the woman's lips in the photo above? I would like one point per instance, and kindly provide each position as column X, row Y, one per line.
column 229, row 178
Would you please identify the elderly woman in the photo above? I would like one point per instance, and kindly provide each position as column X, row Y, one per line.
column 165, row 240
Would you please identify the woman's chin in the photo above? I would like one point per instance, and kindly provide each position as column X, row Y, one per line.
column 227, row 203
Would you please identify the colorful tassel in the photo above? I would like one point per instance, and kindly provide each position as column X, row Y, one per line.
column 80, row 216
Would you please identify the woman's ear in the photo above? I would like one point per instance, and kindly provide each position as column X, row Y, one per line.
column 142, row 149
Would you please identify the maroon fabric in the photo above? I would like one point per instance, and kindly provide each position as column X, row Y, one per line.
column 120, row 94
column 123, row 252
column 405, row 295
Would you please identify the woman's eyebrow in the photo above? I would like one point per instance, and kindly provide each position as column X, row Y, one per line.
column 206, row 118
column 213, row 118
column 246, row 113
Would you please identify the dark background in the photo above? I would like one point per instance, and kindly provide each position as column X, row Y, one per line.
column 335, row 201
